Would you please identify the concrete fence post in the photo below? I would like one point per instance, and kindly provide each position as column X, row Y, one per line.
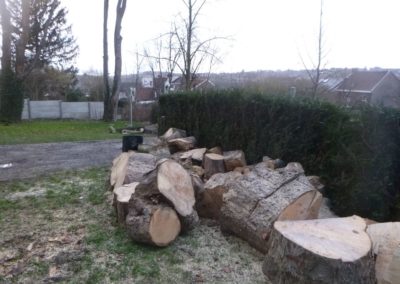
column 89, row 112
column 60, row 107
column 28, row 105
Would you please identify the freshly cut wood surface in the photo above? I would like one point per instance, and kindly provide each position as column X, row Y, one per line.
column 173, row 133
column 175, row 183
column 336, row 250
column 122, row 195
column 386, row 245
column 118, row 169
column 234, row 159
column 257, row 199
column 304, row 208
column 213, row 164
column 195, row 154
column 181, row 144
column 151, row 222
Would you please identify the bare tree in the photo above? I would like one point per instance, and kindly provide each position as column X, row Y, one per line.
column 111, row 100
column 195, row 52
column 315, row 72
column 108, row 103
column 121, row 6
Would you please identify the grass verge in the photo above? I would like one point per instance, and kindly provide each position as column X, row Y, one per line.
column 62, row 228
column 42, row 131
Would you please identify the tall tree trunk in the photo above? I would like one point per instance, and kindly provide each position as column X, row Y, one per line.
column 23, row 40
column 108, row 103
column 6, row 35
column 117, row 50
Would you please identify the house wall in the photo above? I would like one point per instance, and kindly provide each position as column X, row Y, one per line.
column 352, row 99
column 387, row 93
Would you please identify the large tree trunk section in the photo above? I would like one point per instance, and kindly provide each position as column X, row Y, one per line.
column 306, row 207
column 234, row 159
column 209, row 200
column 122, row 195
column 213, row 164
column 155, row 224
column 173, row 133
column 138, row 165
column 181, row 144
column 256, row 200
column 386, row 243
column 334, row 250
column 118, row 169
column 172, row 181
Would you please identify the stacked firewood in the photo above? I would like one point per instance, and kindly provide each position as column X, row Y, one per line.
column 272, row 205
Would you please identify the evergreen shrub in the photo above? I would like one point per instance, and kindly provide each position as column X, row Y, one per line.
column 355, row 152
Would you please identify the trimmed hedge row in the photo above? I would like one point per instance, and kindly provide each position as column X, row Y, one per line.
column 356, row 153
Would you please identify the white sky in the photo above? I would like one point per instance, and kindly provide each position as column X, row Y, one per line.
column 267, row 34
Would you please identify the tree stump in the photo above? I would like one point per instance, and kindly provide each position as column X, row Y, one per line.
column 386, row 244
column 122, row 195
column 336, row 250
column 154, row 224
column 181, row 144
column 256, row 200
column 213, row 164
column 234, row 159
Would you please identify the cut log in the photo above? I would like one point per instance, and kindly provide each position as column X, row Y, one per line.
column 334, row 250
column 196, row 155
column 215, row 150
column 316, row 182
column 122, row 195
column 213, row 164
column 273, row 164
column 386, row 245
column 155, row 224
column 256, row 200
column 181, row 144
column 118, row 169
column 139, row 164
column 173, row 133
column 172, row 181
column 234, row 159
column 209, row 200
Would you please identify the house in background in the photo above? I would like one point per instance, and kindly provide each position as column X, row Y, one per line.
column 369, row 87
column 199, row 84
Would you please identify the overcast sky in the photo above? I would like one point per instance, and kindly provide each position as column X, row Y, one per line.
column 267, row 34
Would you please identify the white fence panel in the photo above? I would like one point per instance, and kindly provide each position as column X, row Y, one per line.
column 96, row 110
column 25, row 111
column 75, row 110
column 45, row 109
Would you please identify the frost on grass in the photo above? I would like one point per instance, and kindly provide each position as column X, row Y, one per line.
column 70, row 234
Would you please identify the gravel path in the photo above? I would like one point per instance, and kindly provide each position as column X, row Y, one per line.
column 38, row 159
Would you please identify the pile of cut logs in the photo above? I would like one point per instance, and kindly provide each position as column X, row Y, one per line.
column 272, row 205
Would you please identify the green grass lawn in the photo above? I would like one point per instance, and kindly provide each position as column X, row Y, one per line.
column 42, row 131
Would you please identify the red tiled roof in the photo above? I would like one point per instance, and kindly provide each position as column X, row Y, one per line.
column 361, row 81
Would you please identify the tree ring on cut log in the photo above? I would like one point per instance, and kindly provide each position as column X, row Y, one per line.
column 176, row 186
column 346, row 235
column 164, row 228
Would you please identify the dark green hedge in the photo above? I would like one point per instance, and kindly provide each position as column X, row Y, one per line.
column 11, row 97
column 357, row 153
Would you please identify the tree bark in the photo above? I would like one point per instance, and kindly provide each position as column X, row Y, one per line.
column 320, row 251
column 121, row 6
column 108, row 103
column 213, row 164
column 155, row 224
column 256, row 200
column 6, row 36
column 386, row 244
column 122, row 195
column 181, row 144
column 234, row 159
